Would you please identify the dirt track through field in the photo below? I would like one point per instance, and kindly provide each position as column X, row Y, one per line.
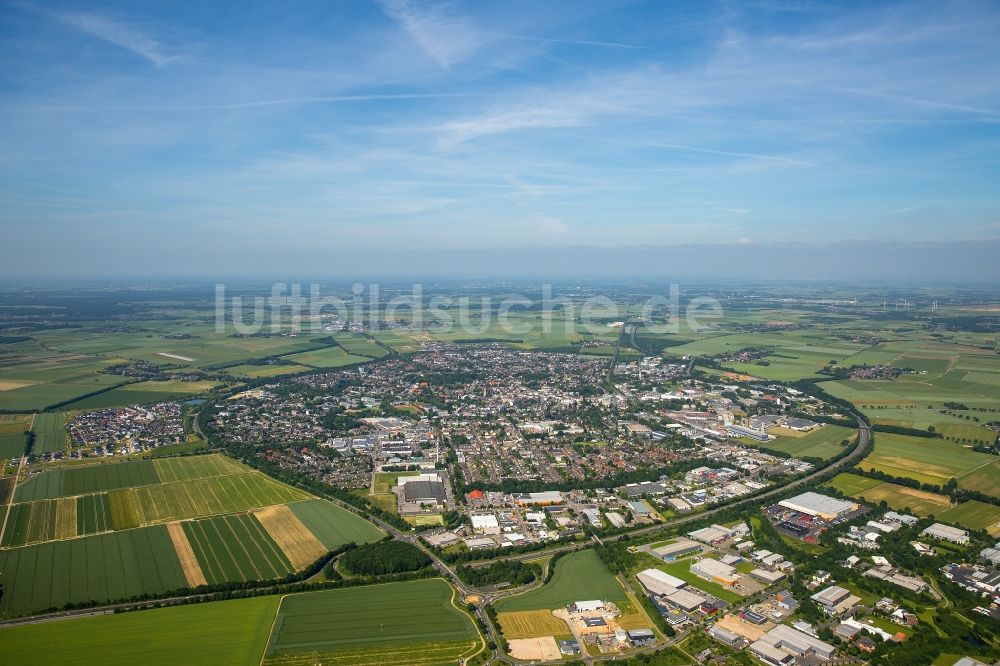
column 189, row 563
column 300, row 546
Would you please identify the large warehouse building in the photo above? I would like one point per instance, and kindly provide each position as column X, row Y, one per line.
column 820, row 506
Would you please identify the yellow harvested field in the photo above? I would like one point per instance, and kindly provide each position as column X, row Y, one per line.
column 300, row 546
column 65, row 518
column 189, row 563
column 11, row 384
column 531, row 624
column 534, row 649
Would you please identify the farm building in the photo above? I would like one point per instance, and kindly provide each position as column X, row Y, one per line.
column 821, row 506
column 947, row 533
column 659, row 582
column 672, row 551
column 715, row 571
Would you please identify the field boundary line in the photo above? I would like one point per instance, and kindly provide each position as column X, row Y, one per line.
column 270, row 633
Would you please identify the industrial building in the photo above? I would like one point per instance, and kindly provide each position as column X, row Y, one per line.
column 686, row 600
column 740, row 431
column 672, row 551
column 819, row 506
column 539, row 499
column 947, row 533
column 715, row 571
column 711, row 535
column 782, row 645
column 768, row 577
column 659, row 582
column 424, row 492
column 835, row 600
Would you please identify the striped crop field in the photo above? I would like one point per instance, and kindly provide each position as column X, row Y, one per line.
column 415, row 623
column 161, row 525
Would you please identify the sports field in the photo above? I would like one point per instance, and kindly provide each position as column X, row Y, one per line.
column 578, row 576
column 824, row 442
column 919, row 502
column 973, row 515
column 160, row 637
column 50, row 432
column 406, row 624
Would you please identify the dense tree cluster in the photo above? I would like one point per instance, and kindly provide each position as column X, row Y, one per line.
column 384, row 557
column 505, row 571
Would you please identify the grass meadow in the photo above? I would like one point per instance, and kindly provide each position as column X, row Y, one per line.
column 578, row 576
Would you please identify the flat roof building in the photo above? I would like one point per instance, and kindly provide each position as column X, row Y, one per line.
column 672, row 551
column 424, row 491
column 659, row 582
column 686, row 600
column 947, row 533
column 769, row 577
column 715, row 571
column 791, row 642
column 834, row 600
column 821, row 506
column 539, row 499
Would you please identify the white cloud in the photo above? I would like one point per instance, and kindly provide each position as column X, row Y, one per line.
column 121, row 34
column 446, row 37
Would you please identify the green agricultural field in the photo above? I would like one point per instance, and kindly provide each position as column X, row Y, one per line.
column 578, row 576
column 824, row 442
column 359, row 345
column 208, row 497
column 851, row 484
column 408, row 624
column 257, row 371
column 98, row 477
column 898, row 497
column 12, row 445
column 927, row 460
column 973, row 515
column 159, row 637
column 983, row 479
column 333, row 525
column 142, row 393
column 235, row 548
column 100, row 568
column 50, row 432
column 53, row 380
column 328, row 357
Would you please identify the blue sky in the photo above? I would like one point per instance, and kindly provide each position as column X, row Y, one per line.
column 255, row 131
